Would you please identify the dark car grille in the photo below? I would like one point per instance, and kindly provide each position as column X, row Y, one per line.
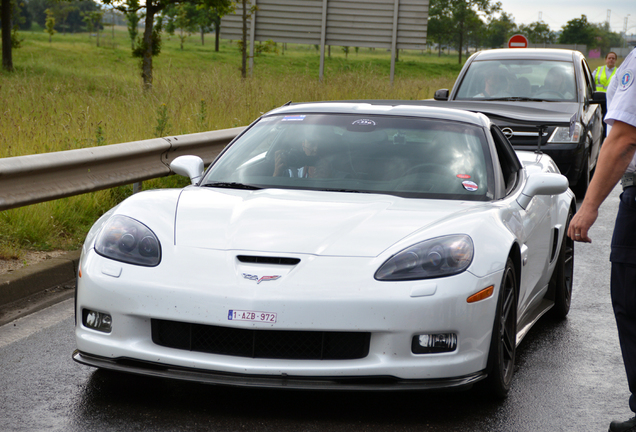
column 273, row 344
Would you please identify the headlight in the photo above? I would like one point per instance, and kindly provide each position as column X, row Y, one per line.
column 442, row 256
column 562, row 134
column 127, row 240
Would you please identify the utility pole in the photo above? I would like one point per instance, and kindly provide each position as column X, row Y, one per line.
column 540, row 16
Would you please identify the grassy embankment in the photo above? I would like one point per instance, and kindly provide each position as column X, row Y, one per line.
column 72, row 94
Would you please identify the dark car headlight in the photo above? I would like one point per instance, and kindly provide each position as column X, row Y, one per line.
column 442, row 256
column 562, row 134
column 127, row 240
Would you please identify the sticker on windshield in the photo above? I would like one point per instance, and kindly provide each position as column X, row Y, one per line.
column 463, row 176
column 626, row 80
column 294, row 118
column 470, row 186
column 364, row 122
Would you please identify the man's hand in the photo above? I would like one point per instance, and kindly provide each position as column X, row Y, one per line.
column 581, row 223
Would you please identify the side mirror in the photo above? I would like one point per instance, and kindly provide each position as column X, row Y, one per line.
column 599, row 98
column 542, row 184
column 189, row 166
column 441, row 95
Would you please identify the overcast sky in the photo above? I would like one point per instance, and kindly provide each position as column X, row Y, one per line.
column 557, row 13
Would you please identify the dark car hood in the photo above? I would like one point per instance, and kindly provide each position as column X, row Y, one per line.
column 548, row 113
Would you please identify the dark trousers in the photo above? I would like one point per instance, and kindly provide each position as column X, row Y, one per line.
column 623, row 284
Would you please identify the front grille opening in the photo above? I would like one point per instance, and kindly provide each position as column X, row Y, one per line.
column 267, row 260
column 272, row 344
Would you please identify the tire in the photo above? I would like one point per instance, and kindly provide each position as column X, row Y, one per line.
column 561, row 281
column 503, row 345
column 580, row 188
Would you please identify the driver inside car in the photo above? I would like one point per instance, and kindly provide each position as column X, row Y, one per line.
column 556, row 83
column 303, row 162
column 495, row 85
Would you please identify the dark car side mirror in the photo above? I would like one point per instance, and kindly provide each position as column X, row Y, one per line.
column 601, row 99
column 441, row 95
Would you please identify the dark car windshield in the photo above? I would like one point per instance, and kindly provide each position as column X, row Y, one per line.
column 410, row 157
column 519, row 80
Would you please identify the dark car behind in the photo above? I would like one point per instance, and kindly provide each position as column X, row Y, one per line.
column 537, row 91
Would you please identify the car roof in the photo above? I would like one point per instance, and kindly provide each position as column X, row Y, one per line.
column 387, row 108
column 526, row 53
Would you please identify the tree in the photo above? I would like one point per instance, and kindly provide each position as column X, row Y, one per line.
column 204, row 20
column 461, row 17
column 50, row 24
column 219, row 8
column 578, row 31
column 606, row 38
column 439, row 29
column 181, row 16
column 93, row 21
column 499, row 30
column 132, row 20
column 538, row 33
column 151, row 39
column 21, row 15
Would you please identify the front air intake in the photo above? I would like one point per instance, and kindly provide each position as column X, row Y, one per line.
column 272, row 344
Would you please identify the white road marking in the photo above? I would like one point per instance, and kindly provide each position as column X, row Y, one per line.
column 30, row 324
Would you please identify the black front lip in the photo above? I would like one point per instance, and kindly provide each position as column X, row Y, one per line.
column 365, row 383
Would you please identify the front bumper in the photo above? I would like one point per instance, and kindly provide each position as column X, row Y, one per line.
column 305, row 300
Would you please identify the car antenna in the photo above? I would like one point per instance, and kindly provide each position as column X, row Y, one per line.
column 287, row 103
column 542, row 128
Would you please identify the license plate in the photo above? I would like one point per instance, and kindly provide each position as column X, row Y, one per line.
column 254, row 316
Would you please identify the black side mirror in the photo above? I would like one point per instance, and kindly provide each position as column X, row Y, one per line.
column 601, row 99
column 441, row 95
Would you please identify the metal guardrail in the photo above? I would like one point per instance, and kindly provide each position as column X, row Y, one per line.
column 43, row 177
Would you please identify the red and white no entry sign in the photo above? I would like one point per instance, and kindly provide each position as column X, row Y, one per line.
column 518, row 41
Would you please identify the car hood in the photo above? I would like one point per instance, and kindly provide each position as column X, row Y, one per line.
column 548, row 113
column 307, row 222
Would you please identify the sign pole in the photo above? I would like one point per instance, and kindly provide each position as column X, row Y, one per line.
column 396, row 8
column 323, row 36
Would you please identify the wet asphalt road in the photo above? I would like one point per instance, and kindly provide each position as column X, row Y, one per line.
column 569, row 377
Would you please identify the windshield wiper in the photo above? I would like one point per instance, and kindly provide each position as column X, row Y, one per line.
column 521, row 99
column 232, row 185
column 341, row 190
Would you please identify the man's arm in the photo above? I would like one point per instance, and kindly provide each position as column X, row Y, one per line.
column 616, row 154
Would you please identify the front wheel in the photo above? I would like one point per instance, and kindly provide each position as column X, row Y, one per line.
column 503, row 345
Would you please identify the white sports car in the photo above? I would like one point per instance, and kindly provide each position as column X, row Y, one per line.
column 334, row 246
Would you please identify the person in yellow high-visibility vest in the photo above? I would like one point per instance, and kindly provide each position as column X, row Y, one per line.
column 603, row 74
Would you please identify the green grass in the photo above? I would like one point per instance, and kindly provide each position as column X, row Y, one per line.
column 71, row 94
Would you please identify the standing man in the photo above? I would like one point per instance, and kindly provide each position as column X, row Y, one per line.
column 603, row 74
column 617, row 158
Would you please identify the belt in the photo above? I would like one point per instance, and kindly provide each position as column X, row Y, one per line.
column 628, row 179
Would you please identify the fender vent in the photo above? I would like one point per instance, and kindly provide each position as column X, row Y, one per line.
column 555, row 243
column 267, row 260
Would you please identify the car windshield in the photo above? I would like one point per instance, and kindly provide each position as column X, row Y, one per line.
column 409, row 157
column 519, row 80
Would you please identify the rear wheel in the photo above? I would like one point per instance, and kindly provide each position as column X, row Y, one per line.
column 503, row 345
column 561, row 281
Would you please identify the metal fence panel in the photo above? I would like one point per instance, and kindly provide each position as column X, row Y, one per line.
column 42, row 177
column 361, row 23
